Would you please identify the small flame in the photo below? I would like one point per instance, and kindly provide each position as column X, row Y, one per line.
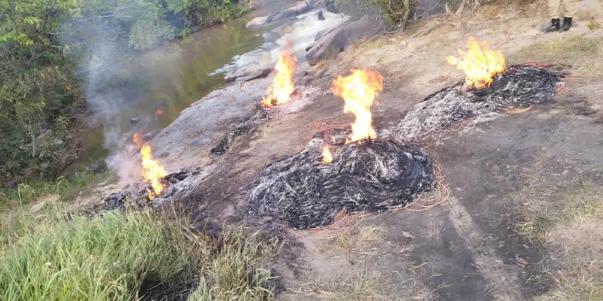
column 152, row 171
column 282, row 86
column 158, row 113
column 359, row 90
column 480, row 64
column 327, row 157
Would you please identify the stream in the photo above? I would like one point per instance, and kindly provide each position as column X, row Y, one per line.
column 170, row 78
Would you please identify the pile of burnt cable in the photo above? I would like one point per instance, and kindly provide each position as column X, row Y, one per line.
column 520, row 85
column 136, row 195
column 369, row 175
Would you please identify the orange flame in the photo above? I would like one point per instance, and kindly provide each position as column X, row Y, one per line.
column 327, row 157
column 158, row 113
column 359, row 90
column 152, row 171
column 282, row 86
column 480, row 64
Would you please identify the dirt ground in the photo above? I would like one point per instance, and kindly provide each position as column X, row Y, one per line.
column 525, row 188
column 503, row 175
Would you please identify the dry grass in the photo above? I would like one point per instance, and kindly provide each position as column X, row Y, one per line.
column 581, row 52
column 569, row 227
column 356, row 243
column 358, row 286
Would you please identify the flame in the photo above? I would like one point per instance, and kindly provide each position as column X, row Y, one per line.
column 327, row 157
column 152, row 171
column 480, row 64
column 359, row 90
column 158, row 113
column 282, row 86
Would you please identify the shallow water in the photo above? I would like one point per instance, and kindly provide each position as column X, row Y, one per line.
column 168, row 79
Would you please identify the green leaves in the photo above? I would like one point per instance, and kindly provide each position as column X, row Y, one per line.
column 39, row 91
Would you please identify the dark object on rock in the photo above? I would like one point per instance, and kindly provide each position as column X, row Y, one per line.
column 554, row 26
column 329, row 44
column 237, row 129
column 365, row 176
column 521, row 85
column 321, row 15
column 567, row 24
column 134, row 120
column 177, row 176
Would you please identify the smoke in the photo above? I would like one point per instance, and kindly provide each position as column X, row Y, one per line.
column 116, row 82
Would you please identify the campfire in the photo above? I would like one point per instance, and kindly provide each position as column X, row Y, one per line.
column 480, row 64
column 152, row 172
column 282, row 86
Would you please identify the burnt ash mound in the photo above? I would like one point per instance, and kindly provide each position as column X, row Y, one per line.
column 520, row 86
column 366, row 176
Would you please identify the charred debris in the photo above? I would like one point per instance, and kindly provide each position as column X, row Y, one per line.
column 369, row 175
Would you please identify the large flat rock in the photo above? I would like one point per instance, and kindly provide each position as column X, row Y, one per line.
column 188, row 140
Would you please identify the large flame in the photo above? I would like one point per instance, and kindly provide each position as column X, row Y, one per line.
column 152, row 171
column 282, row 86
column 359, row 90
column 480, row 64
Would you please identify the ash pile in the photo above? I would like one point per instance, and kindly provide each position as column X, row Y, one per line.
column 369, row 175
column 519, row 86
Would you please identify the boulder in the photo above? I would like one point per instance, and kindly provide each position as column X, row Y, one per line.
column 329, row 44
column 299, row 8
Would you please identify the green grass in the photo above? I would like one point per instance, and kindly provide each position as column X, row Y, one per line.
column 67, row 188
column 102, row 258
column 47, row 256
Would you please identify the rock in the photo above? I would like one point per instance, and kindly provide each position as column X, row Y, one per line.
column 299, row 8
column 330, row 44
column 248, row 75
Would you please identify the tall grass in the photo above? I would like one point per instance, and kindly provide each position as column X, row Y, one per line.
column 102, row 258
column 118, row 256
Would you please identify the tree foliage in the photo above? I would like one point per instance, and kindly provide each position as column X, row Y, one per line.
column 40, row 94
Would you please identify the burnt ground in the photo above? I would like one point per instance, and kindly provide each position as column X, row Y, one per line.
column 473, row 246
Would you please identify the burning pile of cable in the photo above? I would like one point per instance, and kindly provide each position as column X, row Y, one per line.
column 366, row 174
column 369, row 175
column 520, row 85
